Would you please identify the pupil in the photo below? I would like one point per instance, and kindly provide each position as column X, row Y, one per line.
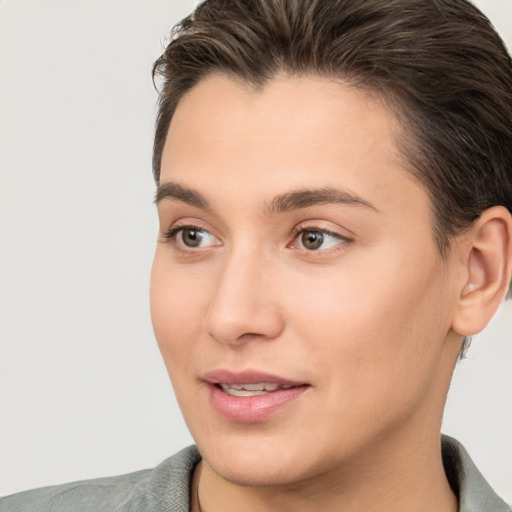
column 192, row 237
column 312, row 240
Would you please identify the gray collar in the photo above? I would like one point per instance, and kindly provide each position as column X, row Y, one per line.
column 475, row 494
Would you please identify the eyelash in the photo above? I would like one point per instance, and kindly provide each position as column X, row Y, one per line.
column 299, row 230
column 174, row 230
column 170, row 235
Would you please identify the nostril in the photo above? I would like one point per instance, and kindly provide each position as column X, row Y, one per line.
column 242, row 338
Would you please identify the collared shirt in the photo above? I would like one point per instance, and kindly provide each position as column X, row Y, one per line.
column 166, row 488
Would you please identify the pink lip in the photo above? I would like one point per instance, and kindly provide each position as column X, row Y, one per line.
column 246, row 377
column 250, row 409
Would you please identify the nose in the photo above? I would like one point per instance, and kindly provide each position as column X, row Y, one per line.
column 245, row 304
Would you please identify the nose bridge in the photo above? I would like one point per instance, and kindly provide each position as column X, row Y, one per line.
column 244, row 305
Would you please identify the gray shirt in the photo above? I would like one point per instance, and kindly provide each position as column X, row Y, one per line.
column 166, row 488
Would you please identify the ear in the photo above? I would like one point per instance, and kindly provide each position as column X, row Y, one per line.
column 487, row 271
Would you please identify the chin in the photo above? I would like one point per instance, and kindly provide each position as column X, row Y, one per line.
column 260, row 460
column 257, row 471
column 255, row 477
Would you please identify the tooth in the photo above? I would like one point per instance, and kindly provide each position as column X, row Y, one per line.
column 253, row 387
column 244, row 392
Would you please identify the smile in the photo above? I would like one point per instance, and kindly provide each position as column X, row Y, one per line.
column 251, row 396
column 252, row 389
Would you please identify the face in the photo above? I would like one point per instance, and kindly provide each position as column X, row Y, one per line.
column 297, row 294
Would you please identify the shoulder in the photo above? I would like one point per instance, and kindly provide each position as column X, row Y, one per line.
column 164, row 488
column 474, row 492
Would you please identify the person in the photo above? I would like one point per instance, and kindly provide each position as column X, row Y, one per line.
column 334, row 193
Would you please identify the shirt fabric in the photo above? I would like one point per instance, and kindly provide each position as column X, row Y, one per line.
column 166, row 488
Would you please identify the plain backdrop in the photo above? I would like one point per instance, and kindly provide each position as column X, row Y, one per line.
column 83, row 392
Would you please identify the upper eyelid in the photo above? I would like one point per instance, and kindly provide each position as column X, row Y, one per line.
column 172, row 212
column 315, row 227
column 173, row 230
column 301, row 229
column 185, row 223
column 181, row 224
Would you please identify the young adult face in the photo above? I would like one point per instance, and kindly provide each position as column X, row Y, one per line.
column 295, row 250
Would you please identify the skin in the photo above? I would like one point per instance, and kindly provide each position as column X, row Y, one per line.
column 367, row 319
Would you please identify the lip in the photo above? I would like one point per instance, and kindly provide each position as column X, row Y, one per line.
column 251, row 409
column 247, row 377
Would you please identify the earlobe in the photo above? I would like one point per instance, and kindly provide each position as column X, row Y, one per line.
column 488, row 264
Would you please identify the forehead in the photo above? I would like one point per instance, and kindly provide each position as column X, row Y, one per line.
column 306, row 112
column 294, row 131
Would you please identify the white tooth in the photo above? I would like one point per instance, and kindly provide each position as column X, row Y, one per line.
column 267, row 386
column 253, row 387
column 243, row 392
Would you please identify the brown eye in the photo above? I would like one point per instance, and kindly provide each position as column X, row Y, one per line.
column 312, row 240
column 192, row 237
column 317, row 239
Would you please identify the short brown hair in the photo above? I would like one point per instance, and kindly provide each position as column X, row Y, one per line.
column 439, row 63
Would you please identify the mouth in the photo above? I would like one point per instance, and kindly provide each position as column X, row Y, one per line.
column 253, row 389
column 251, row 397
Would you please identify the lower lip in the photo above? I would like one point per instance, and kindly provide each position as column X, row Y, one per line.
column 252, row 409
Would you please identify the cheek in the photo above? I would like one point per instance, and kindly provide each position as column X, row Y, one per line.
column 377, row 329
column 178, row 307
column 375, row 371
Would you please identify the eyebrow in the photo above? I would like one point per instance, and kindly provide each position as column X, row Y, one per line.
column 172, row 190
column 299, row 199
column 290, row 201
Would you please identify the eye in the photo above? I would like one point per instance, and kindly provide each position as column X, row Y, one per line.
column 316, row 239
column 191, row 237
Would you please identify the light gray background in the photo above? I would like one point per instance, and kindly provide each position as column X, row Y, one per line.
column 83, row 391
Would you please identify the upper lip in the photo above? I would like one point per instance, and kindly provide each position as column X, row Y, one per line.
column 222, row 376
